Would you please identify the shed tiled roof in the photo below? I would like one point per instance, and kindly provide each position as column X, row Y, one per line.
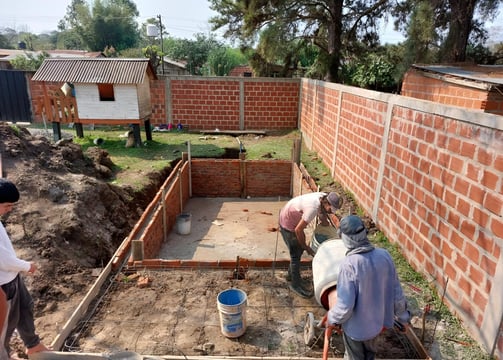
column 96, row 70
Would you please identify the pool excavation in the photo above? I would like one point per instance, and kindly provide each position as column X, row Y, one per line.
column 202, row 275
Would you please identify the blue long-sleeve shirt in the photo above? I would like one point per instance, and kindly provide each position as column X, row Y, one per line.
column 369, row 295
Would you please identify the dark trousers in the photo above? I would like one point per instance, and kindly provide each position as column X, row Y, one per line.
column 20, row 314
column 359, row 350
column 295, row 251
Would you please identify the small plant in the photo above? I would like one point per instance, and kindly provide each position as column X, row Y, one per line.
column 16, row 130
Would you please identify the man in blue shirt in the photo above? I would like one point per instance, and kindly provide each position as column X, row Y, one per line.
column 369, row 294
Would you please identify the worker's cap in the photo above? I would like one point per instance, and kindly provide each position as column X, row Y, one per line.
column 8, row 192
column 351, row 225
column 353, row 232
column 335, row 201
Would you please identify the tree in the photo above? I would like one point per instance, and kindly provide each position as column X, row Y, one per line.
column 193, row 52
column 461, row 24
column 331, row 25
column 110, row 23
column 29, row 61
column 154, row 53
column 223, row 59
column 4, row 42
column 11, row 37
column 454, row 24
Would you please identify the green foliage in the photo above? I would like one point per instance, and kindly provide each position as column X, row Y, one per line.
column 438, row 31
column 132, row 53
column 315, row 167
column 194, row 52
column 222, row 60
column 4, row 42
column 371, row 72
column 421, row 36
column 480, row 54
column 68, row 39
column 110, row 23
column 154, row 54
column 281, row 24
column 16, row 130
column 29, row 61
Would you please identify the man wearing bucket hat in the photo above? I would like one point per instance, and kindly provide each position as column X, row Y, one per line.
column 369, row 294
column 294, row 217
column 19, row 300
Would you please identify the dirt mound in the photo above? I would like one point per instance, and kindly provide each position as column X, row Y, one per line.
column 69, row 220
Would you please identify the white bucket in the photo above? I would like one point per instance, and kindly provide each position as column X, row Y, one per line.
column 231, row 304
column 183, row 223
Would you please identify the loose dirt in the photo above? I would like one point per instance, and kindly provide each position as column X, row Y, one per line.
column 70, row 220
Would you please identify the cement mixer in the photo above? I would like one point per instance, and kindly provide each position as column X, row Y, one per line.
column 329, row 255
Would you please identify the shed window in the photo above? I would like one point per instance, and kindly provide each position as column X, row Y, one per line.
column 106, row 92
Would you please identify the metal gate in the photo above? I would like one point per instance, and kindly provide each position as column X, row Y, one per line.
column 14, row 96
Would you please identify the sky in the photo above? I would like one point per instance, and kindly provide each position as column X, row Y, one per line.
column 182, row 18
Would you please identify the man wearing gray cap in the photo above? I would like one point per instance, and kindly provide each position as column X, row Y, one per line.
column 294, row 218
column 19, row 301
column 369, row 294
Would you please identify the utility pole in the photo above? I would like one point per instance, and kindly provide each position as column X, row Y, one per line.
column 162, row 44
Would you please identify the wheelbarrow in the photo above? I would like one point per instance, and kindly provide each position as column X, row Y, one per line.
column 313, row 329
column 312, row 332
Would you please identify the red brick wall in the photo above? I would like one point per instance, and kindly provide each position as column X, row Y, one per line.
column 203, row 103
column 436, row 191
column 158, row 101
column 417, row 85
column 216, row 177
column 241, row 178
column 268, row 178
column 271, row 105
column 441, row 199
column 174, row 194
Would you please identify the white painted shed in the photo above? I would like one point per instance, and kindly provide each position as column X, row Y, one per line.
column 107, row 91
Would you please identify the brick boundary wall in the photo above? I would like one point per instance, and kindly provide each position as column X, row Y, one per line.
column 431, row 177
column 419, row 85
column 209, row 103
column 241, row 178
column 225, row 103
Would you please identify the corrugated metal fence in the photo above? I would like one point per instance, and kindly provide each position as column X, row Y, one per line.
column 14, row 96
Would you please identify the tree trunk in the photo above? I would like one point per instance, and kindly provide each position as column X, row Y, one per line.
column 454, row 48
column 334, row 40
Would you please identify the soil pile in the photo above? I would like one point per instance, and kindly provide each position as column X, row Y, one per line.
column 68, row 219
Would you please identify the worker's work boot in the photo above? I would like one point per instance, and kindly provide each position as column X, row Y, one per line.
column 297, row 287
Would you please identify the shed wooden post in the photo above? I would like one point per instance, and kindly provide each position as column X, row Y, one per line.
column 148, row 130
column 79, row 130
column 137, row 135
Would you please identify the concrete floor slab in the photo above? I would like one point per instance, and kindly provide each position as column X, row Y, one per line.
column 224, row 228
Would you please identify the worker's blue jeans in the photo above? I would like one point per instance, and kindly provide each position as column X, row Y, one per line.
column 20, row 314
column 296, row 251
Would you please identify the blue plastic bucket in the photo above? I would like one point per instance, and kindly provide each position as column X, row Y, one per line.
column 231, row 304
